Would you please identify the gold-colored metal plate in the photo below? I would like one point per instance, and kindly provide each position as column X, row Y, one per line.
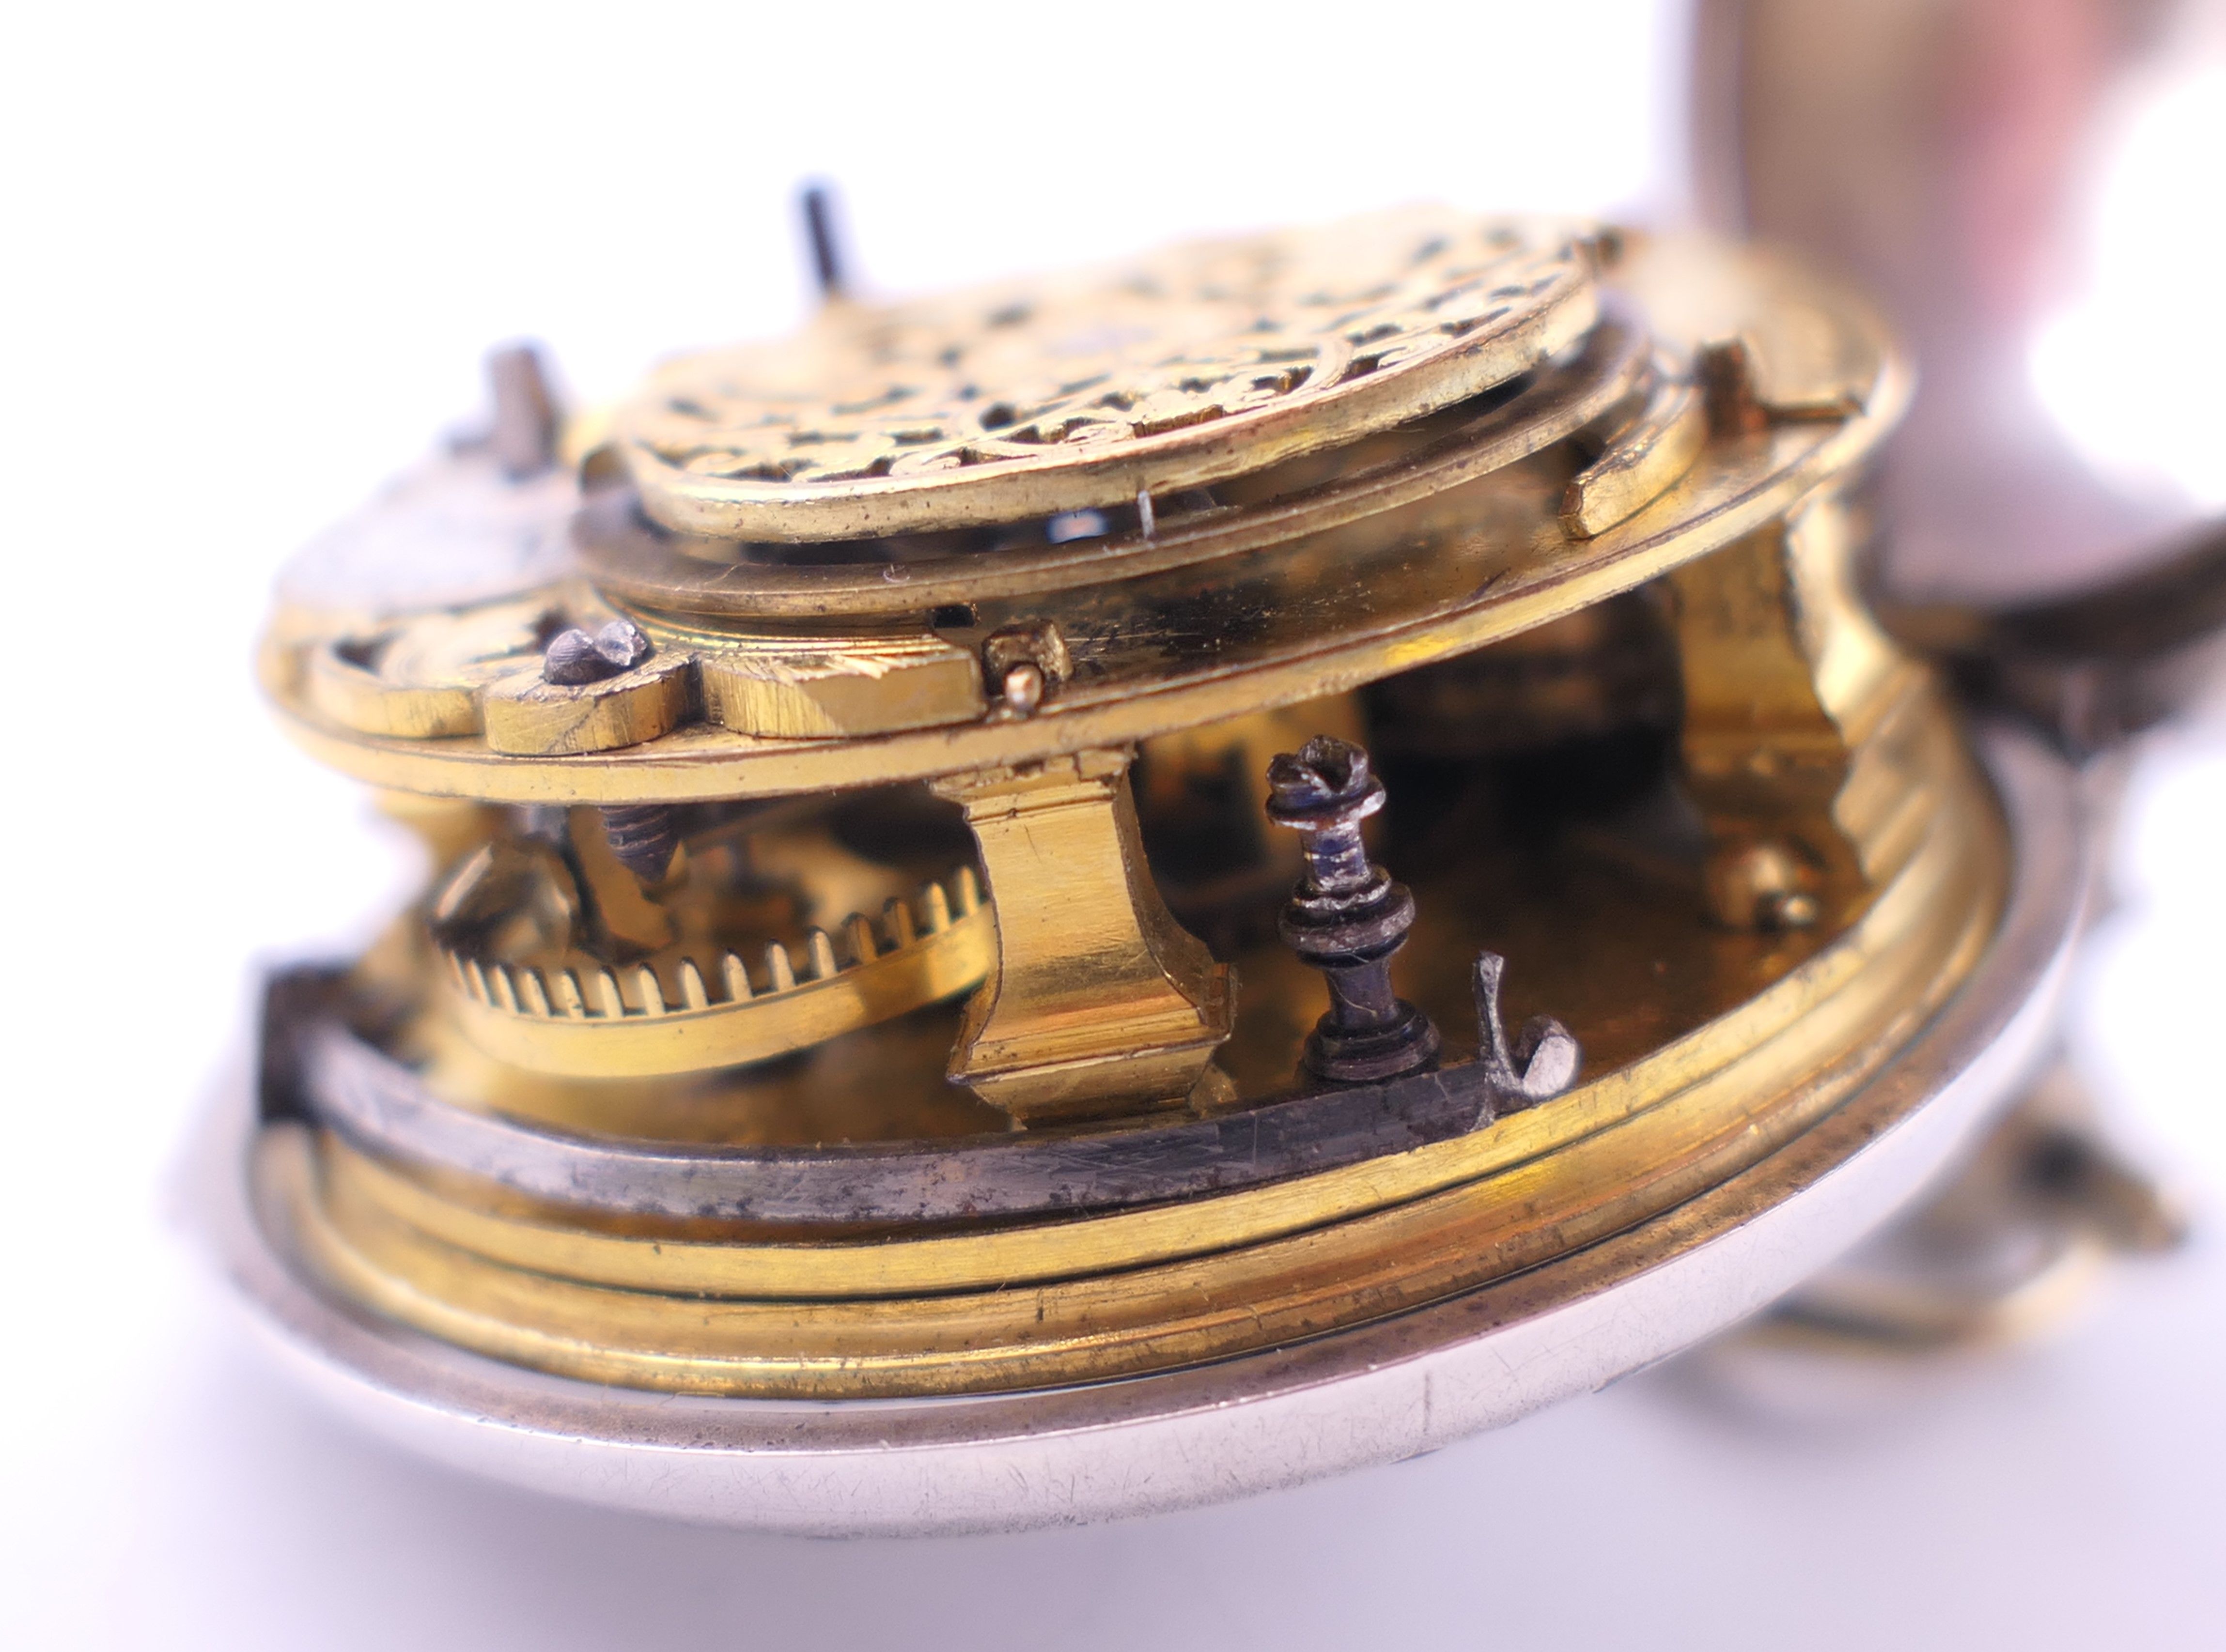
column 805, row 688
column 1314, row 1255
column 676, row 574
column 1179, row 369
column 1334, row 591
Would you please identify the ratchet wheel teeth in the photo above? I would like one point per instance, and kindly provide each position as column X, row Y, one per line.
column 608, row 1019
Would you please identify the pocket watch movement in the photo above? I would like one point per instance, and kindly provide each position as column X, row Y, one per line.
column 1108, row 892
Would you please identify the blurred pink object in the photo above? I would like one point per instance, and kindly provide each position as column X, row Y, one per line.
column 1942, row 152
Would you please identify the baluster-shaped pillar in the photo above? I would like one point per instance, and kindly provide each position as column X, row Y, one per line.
column 1099, row 1004
column 1797, row 724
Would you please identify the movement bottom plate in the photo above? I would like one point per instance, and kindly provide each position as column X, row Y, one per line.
column 1384, row 1391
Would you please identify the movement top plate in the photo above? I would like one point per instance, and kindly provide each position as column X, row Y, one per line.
column 1172, row 371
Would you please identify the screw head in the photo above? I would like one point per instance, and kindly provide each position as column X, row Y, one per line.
column 1758, row 886
column 624, row 645
column 1024, row 689
column 1328, row 783
column 574, row 657
column 570, row 658
column 1794, row 911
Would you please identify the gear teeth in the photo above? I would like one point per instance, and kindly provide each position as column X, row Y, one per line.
column 606, row 995
column 782, row 972
column 561, row 993
column 692, row 996
column 858, row 932
column 897, row 924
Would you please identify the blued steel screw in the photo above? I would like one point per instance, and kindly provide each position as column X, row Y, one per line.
column 574, row 657
column 642, row 835
column 1347, row 916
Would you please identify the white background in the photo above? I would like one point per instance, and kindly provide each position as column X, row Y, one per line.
column 249, row 261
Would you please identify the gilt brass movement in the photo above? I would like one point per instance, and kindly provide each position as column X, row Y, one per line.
column 1131, row 821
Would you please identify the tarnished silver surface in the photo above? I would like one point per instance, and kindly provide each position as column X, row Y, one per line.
column 381, row 1105
column 457, row 528
column 1390, row 1390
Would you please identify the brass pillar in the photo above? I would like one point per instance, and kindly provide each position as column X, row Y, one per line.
column 1098, row 1003
column 1795, row 724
